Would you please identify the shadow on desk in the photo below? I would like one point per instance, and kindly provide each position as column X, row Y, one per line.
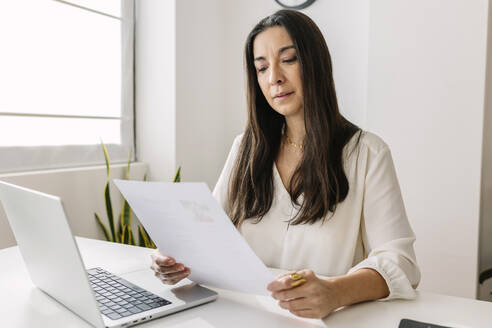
column 220, row 312
column 43, row 310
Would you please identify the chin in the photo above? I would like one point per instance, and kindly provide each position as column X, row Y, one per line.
column 287, row 111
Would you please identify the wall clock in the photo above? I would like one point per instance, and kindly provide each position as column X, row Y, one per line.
column 294, row 4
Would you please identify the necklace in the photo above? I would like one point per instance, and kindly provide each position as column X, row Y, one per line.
column 292, row 143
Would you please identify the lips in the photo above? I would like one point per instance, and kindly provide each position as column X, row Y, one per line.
column 283, row 95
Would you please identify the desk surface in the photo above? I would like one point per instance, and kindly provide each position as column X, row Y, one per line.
column 23, row 305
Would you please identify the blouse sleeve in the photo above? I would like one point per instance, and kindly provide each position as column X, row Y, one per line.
column 221, row 189
column 386, row 233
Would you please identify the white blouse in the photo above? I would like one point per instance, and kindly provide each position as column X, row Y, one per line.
column 369, row 229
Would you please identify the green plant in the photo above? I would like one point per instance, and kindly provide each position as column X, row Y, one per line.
column 124, row 233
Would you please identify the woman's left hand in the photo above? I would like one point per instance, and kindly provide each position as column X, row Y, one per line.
column 316, row 298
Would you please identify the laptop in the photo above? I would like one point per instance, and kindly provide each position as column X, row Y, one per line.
column 101, row 298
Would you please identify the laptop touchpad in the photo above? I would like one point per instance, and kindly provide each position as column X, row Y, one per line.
column 183, row 292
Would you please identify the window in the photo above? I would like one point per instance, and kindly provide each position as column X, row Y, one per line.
column 66, row 82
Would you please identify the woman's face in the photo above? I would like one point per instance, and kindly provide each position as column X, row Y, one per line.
column 278, row 71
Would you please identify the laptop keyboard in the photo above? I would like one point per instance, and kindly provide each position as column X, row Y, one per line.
column 118, row 298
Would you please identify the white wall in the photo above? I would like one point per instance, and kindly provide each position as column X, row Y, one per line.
column 200, row 90
column 82, row 192
column 345, row 26
column 155, row 90
column 485, row 245
column 426, row 99
column 180, row 88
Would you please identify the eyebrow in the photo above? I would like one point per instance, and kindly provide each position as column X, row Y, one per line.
column 279, row 52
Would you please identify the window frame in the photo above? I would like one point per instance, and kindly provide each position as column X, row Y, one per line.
column 18, row 159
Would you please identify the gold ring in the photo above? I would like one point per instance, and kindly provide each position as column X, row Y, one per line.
column 295, row 276
column 297, row 279
column 297, row 282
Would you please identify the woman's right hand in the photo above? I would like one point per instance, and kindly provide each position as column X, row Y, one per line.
column 167, row 270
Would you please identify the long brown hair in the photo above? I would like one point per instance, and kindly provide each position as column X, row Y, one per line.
column 320, row 176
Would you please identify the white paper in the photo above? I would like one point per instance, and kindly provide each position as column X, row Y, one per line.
column 187, row 223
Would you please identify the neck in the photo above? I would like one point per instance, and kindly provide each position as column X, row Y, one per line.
column 295, row 129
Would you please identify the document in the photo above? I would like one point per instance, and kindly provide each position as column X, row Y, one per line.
column 186, row 222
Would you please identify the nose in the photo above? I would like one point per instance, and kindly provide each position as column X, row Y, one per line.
column 276, row 75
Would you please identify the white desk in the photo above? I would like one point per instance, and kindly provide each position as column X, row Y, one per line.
column 23, row 305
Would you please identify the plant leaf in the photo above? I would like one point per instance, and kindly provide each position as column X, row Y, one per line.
column 141, row 241
column 123, row 235
column 107, row 196
column 143, row 234
column 128, row 235
column 132, row 238
column 126, row 213
column 120, row 227
column 177, row 176
column 150, row 241
column 106, row 158
column 103, row 227
column 109, row 211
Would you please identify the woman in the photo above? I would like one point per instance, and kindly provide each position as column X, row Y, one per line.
column 308, row 190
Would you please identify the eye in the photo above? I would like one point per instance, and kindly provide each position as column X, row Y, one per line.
column 261, row 69
column 290, row 60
